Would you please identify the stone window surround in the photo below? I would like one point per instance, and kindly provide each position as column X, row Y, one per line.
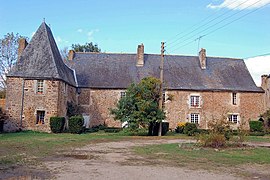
column 235, row 98
column 237, row 116
column 36, row 113
column 36, row 87
column 122, row 94
column 193, row 116
column 200, row 100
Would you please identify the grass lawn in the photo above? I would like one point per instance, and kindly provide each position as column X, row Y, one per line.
column 265, row 138
column 18, row 147
column 24, row 147
column 193, row 157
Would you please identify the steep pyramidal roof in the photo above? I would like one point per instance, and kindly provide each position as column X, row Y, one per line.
column 41, row 59
column 105, row 70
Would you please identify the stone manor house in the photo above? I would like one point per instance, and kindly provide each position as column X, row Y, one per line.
column 198, row 89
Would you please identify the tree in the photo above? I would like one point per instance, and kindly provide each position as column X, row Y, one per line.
column 8, row 55
column 140, row 105
column 64, row 53
column 88, row 47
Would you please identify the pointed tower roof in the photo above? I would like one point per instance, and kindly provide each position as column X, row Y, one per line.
column 41, row 59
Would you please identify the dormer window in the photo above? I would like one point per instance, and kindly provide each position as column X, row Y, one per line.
column 40, row 86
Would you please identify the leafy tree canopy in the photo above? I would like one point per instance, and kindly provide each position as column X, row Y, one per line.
column 140, row 105
column 87, row 47
column 8, row 55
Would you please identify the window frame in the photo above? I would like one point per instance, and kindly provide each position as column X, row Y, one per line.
column 123, row 94
column 40, row 87
column 234, row 98
column 40, row 117
column 194, row 118
column 231, row 118
column 194, row 101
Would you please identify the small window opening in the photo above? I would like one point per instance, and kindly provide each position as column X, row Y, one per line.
column 234, row 98
column 40, row 86
column 40, row 117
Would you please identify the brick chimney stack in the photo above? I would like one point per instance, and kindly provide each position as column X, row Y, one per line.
column 71, row 54
column 140, row 55
column 22, row 45
column 202, row 58
column 264, row 83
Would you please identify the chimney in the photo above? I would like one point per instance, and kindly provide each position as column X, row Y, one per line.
column 202, row 58
column 22, row 45
column 140, row 55
column 71, row 54
column 264, row 79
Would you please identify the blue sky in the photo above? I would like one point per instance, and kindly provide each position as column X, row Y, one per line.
column 120, row 25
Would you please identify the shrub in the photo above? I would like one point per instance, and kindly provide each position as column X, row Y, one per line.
column 180, row 127
column 256, row 126
column 112, row 130
column 73, row 109
column 190, row 129
column 75, row 124
column 57, row 124
column 214, row 140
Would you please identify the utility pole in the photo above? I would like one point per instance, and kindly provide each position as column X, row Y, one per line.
column 160, row 103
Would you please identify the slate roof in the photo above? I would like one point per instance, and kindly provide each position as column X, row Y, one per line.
column 106, row 70
column 41, row 59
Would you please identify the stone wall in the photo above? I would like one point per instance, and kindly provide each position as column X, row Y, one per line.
column 52, row 101
column 14, row 100
column 65, row 93
column 214, row 106
column 97, row 103
column 265, row 84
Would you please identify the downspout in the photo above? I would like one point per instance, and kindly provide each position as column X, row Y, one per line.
column 22, row 103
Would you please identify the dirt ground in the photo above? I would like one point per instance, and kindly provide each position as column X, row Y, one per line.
column 115, row 160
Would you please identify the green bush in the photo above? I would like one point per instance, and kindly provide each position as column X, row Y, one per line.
column 214, row 140
column 190, row 129
column 75, row 124
column 91, row 130
column 256, row 126
column 112, row 130
column 57, row 124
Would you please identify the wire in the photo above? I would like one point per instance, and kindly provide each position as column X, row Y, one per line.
column 220, row 26
column 266, row 54
column 173, row 42
column 216, row 23
column 172, row 38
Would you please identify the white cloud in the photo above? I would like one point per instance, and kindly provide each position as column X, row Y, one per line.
column 58, row 40
column 90, row 34
column 258, row 66
column 239, row 4
column 79, row 30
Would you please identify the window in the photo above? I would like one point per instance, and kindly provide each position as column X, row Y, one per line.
column 233, row 118
column 194, row 118
column 234, row 98
column 40, row 117
column 122, row 94
column 40, row 86
column 194, row 101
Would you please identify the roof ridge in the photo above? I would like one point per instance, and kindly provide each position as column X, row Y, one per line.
column 46, row 31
